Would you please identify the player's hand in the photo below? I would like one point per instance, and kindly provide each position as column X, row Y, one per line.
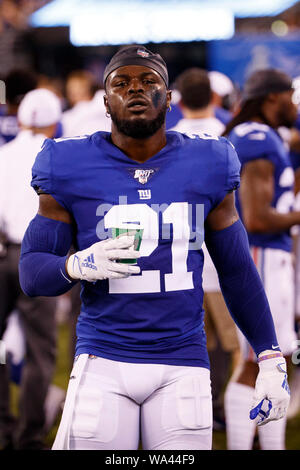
column 98, row 262
column 272, row 393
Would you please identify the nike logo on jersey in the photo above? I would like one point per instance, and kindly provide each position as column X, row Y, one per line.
column 275, row 347
column 67, row 279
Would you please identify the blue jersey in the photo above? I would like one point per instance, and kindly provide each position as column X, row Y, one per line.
column 173, row 116
column 9, row 128
column 253, row 141
column 222, row 114
column 295, row 156
column 157, row 315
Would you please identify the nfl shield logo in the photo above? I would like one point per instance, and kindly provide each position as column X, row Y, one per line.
column 142, row 53
column 142, row 175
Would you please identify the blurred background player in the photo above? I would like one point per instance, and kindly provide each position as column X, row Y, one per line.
column 294, row 146
column 92, row 116
column 197, row 108
column 265, row 201
column 87, row 112
column 223, row 95
column 196, row 103
column 17, row 83
column 38, row 114
column 79, row 89
column 223, row 98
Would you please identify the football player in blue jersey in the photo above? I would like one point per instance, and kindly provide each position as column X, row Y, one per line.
column 141, row 369
column 265, row 202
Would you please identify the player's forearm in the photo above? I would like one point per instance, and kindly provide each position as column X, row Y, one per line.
column 270, row 221
column 44, row 274
column 43, row 258
column 241, row 286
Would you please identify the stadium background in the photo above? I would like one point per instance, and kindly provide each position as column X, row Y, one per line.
column 49, row 38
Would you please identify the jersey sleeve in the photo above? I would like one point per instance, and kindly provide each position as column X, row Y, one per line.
column 227, row 168
column 41, row 170
column 43, row 180
column 232, row 181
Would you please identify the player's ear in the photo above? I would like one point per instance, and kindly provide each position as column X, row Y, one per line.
column 169, row 98
column 105, row 102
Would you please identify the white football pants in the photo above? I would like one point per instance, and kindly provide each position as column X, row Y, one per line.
column 118, row 405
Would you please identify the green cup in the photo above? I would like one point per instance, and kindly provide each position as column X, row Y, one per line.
column 138, row 235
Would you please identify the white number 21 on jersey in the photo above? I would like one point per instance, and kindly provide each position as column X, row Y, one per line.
column 148, row 219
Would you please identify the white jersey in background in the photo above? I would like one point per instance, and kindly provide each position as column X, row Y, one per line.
column 18, row 202
column 211, row 126
column 86, row 117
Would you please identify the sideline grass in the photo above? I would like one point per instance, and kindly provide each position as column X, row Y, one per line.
column 61, row 378
column 219, row 438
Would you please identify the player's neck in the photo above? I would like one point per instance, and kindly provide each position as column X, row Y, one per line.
column 265, row 120
column 139, row 150
column 268, row 115
column 203, row 113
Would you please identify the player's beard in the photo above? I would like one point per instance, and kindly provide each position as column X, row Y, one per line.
column 139, row 128
column 287, row 115
column 286, row 120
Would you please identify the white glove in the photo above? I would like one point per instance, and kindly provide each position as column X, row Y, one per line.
column 272, row 393
column 98, row 261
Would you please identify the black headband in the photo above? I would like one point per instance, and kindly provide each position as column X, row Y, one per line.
column 137, row 55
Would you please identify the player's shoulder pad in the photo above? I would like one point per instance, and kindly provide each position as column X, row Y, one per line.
column 220, row 158
column 60, row 151
column 254, row 140
column 255, row 133
column 57, row 158
column 70, row 139
column 67, row 145
column 222, row 148
column 62, row 143
column 232, row 165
